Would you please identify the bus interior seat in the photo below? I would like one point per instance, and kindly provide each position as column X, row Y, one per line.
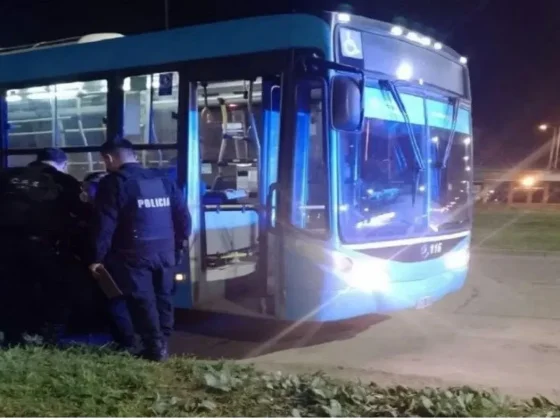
column 221, row 197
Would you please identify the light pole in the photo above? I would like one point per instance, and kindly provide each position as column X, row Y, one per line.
column 166, row 11
column 554, row 145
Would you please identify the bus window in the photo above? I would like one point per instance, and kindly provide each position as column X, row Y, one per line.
column 16, row 161
column 310, row 171
column 62, row 115
column 163, row 160
column 78, row 163
column 382, row 190
column 150, row 104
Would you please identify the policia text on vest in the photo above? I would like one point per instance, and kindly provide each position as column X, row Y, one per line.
column 154, row 202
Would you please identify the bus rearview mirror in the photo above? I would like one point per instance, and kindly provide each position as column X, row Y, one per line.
column 347, row 111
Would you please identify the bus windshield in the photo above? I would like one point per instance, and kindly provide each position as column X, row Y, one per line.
column 407, row 173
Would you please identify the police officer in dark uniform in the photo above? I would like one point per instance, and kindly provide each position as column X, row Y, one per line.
column 142, row 228
column 39, row 205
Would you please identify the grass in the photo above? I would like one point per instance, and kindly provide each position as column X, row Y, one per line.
column 96, row 383
column 517, row 229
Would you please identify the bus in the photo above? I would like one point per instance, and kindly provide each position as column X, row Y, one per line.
column 325, row 158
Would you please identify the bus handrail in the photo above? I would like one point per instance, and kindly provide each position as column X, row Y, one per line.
column 230, row 207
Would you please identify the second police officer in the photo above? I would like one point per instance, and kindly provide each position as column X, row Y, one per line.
column 142, row 226
column 39, row 206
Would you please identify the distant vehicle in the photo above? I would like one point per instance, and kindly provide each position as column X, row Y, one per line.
column 335, row 152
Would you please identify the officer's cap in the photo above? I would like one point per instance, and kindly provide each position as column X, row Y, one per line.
column 111, row 146
column 51, row 154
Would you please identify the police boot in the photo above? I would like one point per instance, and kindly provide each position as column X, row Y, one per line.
column 132, row 350
column 165, row 348
column 128, row 345
column 155, row 351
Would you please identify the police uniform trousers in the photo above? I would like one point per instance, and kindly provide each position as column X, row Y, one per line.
column 34, row 288
column 146, row 306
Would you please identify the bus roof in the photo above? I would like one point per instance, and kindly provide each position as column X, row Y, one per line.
column 213, row 40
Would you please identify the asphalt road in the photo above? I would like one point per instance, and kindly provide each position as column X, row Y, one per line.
column 501, row 331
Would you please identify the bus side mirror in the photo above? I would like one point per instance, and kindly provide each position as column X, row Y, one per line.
column 347, row 110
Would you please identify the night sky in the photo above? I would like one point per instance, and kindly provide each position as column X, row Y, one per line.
column 512, row 47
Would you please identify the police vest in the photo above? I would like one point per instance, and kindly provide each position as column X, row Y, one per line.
column 145, row 224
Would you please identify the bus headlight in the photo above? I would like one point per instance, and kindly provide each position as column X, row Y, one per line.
column 370, row 276
column 457, row 260
column 364, row 275
column 179, row 277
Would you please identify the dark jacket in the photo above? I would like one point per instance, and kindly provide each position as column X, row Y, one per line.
column 40, row 200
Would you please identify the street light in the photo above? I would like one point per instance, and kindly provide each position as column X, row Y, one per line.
column 528, row 181
column 543, row 127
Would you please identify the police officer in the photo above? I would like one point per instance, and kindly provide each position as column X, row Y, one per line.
column 142, row 227
column 39, row 204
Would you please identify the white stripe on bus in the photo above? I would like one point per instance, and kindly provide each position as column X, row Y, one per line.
column 409, row 241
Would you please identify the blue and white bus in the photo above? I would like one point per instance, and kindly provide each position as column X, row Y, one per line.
column 326, row 159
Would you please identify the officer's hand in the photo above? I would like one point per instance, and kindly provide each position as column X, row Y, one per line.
column 94, row 267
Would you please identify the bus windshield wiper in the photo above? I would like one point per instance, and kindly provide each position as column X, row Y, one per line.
column 390, row 87
column 452, row 225
column 454, row 117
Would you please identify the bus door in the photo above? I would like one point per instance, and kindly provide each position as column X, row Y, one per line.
column 298, row 202
column 252, row 291
column 237, row 134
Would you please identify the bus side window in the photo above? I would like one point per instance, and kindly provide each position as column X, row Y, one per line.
column 150, row 103
column 62, row 115
column 310, row 175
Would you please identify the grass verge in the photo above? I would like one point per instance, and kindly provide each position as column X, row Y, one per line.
column 96, row 383
column 517, row 229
